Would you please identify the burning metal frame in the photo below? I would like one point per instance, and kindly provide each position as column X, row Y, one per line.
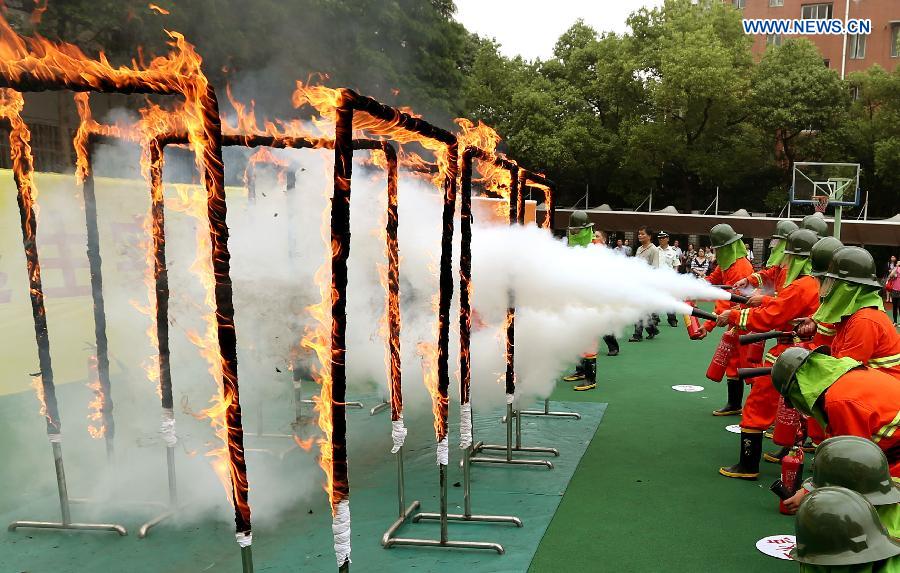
column 516, row 215
column 465, row 327
column 60, row 69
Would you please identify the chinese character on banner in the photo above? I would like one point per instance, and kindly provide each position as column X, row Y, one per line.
column 70, row 256
column 128, row 238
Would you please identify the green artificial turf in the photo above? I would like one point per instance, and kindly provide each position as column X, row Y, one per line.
column 647, row 496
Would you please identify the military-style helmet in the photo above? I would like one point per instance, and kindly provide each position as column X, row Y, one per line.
column 821, row 254
column 800, row 242
column 837, row 526
column 784, row 228
column 579, row 220
column 784, row 371
column 722, row 235
column 858, row 464
column 853, row 265
column 815, row 223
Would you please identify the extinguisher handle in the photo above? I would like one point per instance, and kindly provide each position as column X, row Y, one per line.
column 744, row 373
column 739, row 298
column 757, row 336
column 723, row 287
column 700, row 313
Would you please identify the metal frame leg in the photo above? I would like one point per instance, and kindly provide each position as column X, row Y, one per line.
column 65, row 512
column 467, row 515
column 404, row 511
column 379, row 408
column 247, row 559
column 546, row 412
column 444, row 540
column 509, row 448
column 173, row 506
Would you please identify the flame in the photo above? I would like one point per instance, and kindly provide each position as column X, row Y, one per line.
column 38, row 384
column 265, row 155
column 159, row 10
column 97, row 403
column 305, row 445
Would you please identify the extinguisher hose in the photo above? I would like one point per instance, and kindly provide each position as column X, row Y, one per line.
column 757, row 336
column 739, row 299
column 744, row 373
column 700, row 313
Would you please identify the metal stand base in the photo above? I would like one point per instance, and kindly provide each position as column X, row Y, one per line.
column 546, row 412
column 172, row 507
column 389, row 541
column 379, row 408
column 509, row 447
column 64, row 506
column 467, row 515
column 247, row 559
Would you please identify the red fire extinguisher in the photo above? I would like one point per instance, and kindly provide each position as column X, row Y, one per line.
column 693, row 324
column 787, row 425
column 753, row 353
column 722, row 355
column 791, row 474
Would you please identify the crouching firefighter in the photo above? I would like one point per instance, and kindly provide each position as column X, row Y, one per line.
column 799, row 298
column 844, row 396
column 581, row 234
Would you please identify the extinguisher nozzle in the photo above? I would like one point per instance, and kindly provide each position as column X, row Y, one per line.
column 779, row 489
column 700, row 313
column 757, row 336
column 739, row 299
column 744, row 373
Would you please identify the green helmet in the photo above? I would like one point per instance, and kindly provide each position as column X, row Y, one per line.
column 858, row 464
column 784, row 371
column 800, row 242
column 821, row 254
column 722, row 234
column 853, row 265
column 815, row 223
column 784, row 228
column 579, row 220
column 837, row 526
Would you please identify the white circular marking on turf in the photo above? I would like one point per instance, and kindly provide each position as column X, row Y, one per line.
column 777, row 546
column 734, row 428
column 687, row 388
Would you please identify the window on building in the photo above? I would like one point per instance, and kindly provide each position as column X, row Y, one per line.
column 740, row 4
column 857, row 47
column 822, row 11
column 775, row 3
column 854, row 92
column 774, row 39
column 895, row 40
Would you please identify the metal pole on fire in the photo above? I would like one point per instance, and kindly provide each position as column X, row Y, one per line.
column 465, row 328
column 11, row 104
column 516, row 215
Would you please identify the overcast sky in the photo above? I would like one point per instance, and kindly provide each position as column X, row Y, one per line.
column 530, row 28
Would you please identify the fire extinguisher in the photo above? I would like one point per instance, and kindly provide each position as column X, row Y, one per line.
column 722, row 355
column 693, row 324
column 753, row 353
column 787, row 425
column 791, row 475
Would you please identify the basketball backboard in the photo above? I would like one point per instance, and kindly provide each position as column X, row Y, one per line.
column 812, row 182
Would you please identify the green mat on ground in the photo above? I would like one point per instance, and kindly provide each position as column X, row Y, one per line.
column 301, row 540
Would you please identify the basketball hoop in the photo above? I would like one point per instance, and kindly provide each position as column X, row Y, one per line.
column 820, row 202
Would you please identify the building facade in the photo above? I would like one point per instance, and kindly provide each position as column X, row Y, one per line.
column 881, row 46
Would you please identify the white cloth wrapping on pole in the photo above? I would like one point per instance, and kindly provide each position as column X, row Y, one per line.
column 398, row 434
column 244, row 539
column 55, row 438
column 443, row 452
column 167, row 428
column 510, row 398
column 465, row 425
column 340, row 527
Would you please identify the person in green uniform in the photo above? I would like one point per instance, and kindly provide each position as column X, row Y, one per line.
column 838, row 531
column 815, row 223
column 581, row 234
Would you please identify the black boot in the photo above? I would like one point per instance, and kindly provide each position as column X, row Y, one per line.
column 775, row 457
column 577, row 375
column 612, row 345
column 735, row 398
column 748, row 467
column 589, row 366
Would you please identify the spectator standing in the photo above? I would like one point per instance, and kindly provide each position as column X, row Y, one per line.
column 648, row 253
column 749, row 252
column 621, row 248
column 700, row 265
column 628, row 250
column 892, row 286
column 668, row 257
column 679, row 254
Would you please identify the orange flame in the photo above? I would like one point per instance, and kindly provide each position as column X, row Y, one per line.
column 265, row 155
column 97, row 403
column 159, row 10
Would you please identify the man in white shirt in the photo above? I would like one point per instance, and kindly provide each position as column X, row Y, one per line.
column 650, row 254
column 668, row 257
